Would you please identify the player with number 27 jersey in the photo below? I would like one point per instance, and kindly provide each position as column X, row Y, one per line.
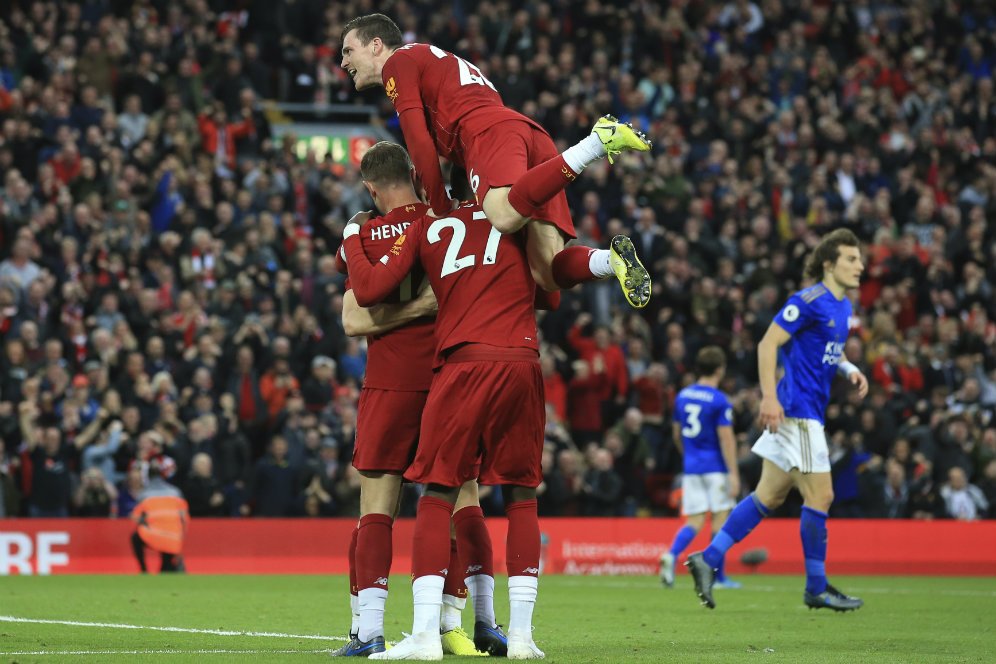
column 480, row 277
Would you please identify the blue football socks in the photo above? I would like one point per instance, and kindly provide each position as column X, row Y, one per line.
column 682, row 539
column 743, row 519
column 813, row 529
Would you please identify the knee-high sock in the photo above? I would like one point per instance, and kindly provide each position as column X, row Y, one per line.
column 373, row 567
column 743, row 519
column 430, row 557
column 476, row 562
column 454, row 592
column 813, row 529
column 574, row 265
column 354, row 600
column 539, row 184
column 522, row 554
column 682, row 539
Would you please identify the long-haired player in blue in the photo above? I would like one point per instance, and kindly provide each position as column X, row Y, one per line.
column 703, row 432
column 808, row 334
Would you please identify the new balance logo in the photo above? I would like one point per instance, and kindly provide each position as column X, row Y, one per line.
column 473, row 569
column 382, row 581
column 531, row 570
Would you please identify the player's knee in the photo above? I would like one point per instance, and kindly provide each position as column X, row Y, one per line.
column 772, row 500
column 501, row 214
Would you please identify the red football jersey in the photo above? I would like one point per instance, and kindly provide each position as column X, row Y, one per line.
column 457, row 100
column 400, row 359
column 481, row 278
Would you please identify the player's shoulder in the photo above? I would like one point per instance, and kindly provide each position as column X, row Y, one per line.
column 415, row 50
column 699, row 392
column 812, row 293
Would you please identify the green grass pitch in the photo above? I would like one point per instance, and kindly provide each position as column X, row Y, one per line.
column 578, row 619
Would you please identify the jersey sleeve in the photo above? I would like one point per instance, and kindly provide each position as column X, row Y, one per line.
column 340, row 262
column 373, row 282
column 793, row 315
column 725, row 418
column 402, row 82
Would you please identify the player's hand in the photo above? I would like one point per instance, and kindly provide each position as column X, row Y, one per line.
column 361, row 217
column 733, row 485
column 857, row 378
column 772, row 414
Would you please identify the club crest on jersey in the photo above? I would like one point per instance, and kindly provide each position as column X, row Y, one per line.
column 391, row 89
column 396, row 248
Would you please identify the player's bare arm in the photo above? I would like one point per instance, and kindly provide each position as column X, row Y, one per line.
column 362, row 321
column 772, row 414
column 728, row 446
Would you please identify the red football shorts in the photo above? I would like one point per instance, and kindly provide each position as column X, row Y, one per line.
column 387, row 430
column 499, row 156
column 483, row 419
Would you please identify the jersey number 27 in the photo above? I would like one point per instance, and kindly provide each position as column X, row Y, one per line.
column 452, row 261
column 469, row 74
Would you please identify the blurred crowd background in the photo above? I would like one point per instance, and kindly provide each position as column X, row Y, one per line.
column 167, row 286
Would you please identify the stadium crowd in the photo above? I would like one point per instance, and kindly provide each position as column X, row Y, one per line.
column 168, row 287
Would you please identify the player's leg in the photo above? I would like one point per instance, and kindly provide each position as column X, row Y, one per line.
column 522, row 551
column 468, row 521
column 513, row 449
column 354, row 588
column 138, row 548
column 684, row 537
column 502, row 156
column 772, row 489
column 817, row 496
column 694, row 505
column 545, row 179
column 722, row 581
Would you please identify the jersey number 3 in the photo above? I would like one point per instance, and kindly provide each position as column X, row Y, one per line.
column 693, row 426
column 452, row 261
column 469, row 74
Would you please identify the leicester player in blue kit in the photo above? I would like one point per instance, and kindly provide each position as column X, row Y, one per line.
column 703, row 432
column 809, row 334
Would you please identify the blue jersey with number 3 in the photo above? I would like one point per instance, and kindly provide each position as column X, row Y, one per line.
column 818, row 323
column 701, row 410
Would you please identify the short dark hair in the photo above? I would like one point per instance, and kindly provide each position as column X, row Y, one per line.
column 829, row 250
column 459, row 184
column 709, row 360
column 374, row 25
column 386, row 163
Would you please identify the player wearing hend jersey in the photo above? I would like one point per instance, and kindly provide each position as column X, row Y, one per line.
column 809, row 334
column 703, row 432
column 395, row 387
column 446, row 106
column 484, row 417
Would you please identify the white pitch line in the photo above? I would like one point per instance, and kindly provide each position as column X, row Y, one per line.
column 186, row 630
column 170, row 651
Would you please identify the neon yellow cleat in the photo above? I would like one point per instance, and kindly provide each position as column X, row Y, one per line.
column 632, row 276
column 458, row 642
column 619, row 136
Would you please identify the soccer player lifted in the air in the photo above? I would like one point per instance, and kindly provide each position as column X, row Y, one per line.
column 809, row 333
column 447, row 107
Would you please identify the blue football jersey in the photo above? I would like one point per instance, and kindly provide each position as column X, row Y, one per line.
column 700, row 410
column 818, row 323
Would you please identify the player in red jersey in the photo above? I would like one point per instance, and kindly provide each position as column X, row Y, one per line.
column 484, row 417
column 446, row 106
column 398, row 373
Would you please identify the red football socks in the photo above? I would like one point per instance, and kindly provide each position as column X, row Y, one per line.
column 454, row 584
column 474, row 543
column 539, row 184
column 374, row 551
column 431, row 544
column 522, row 548
column 353, row 587
column 572, row 266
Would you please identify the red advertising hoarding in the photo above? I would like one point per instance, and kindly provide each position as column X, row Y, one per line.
column 571, row 546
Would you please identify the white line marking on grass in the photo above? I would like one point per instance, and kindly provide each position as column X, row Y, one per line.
column 169, row 651
column 186, row 630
